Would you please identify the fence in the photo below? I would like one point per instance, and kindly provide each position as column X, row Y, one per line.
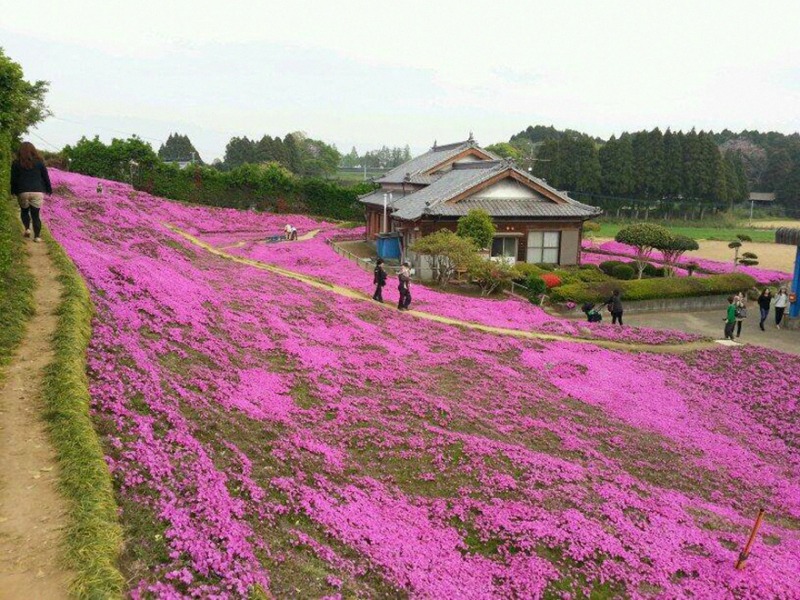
column 365, row 264
column 664, row 209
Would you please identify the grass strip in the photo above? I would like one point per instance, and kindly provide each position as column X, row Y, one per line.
column 16, row 282
column 93, row 536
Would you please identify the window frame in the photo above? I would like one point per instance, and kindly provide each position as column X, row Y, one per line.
column 539, row 250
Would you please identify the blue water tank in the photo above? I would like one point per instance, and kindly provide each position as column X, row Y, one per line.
column 388, row 245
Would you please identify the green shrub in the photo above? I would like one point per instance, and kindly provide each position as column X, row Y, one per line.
column 491, row 275
column 590, row 274
column 477, row 226
column 650, row 270
column 648, row 289
column 623, row 272
column 536, row 287
column 546, row 266
column 527, row 269
column 608, row 265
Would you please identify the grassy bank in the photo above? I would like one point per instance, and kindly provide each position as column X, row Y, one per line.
column 16, row 281
column 93, row 537
column 700, row 232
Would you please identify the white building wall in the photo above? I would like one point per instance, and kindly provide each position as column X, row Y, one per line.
column 508, row 189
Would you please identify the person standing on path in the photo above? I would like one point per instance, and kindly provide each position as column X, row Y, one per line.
column 615, row 308
column 29, row 183
column 730, row 318
column 764, row 301
column 781, row 302
column 379, row 280
column 741, row 311
column 404, row 286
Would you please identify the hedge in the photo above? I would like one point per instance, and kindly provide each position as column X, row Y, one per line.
column 650, row 289
column 623, row 272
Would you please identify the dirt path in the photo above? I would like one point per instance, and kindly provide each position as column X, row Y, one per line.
column 349, row 293
column 32, row 513
column 770, row 256
column 241, row 244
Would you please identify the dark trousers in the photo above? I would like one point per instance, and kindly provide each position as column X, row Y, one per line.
column 31, row 214
column 764, row 314
column 616, row 317
column 779, row 314
column 378, row 295
column 738, row 328
column 729, row 330
column 405, row 298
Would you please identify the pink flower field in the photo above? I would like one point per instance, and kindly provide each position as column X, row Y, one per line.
column 270, row 438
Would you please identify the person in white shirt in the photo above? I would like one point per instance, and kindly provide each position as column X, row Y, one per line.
column 781, row 302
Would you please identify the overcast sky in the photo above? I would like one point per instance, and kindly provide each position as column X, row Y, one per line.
column 370, row 73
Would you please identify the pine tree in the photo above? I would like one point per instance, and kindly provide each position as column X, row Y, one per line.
column 672, row 181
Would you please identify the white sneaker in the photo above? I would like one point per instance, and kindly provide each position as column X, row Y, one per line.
column 27, row 233
column 37, row 239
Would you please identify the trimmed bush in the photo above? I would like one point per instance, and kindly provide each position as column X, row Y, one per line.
column 551, row 280
column 649, row 289
column 623, row 272
column 651, row 270
column 536, row 287
column 525, row 270
column 591, row 274
column 608, row 265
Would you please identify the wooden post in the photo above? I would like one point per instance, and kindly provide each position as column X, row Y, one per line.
column 740, row 562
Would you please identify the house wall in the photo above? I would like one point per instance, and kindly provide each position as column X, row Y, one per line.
column 507, row 189
column 571, row 233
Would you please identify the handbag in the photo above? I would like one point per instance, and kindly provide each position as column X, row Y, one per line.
column 741, row 312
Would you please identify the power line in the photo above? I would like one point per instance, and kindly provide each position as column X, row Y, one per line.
column 144, row 137
column 45, row 141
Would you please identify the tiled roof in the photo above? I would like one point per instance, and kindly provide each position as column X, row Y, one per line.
column 376, row 197
column 417, row 166
column 433, row 200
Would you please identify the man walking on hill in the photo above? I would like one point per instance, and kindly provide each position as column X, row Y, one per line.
column 379, row 280
column 404, row 286
column 730, row 319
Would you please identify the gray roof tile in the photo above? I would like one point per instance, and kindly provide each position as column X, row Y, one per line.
column 417, row 166
column 433, row 199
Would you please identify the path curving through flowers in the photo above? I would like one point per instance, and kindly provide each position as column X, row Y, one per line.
column 681, row 348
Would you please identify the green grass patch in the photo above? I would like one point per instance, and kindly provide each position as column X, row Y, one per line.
column 16, row 282
column 699, row 232
column 93, row 536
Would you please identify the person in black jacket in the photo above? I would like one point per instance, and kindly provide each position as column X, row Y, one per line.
column 615, row 308
column 764, row 301
column 379, row 280
column 404, row 286
column 29, row 183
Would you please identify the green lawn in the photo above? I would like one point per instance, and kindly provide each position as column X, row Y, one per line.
column 609, row 230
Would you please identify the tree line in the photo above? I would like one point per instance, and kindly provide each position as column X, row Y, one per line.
column 268, row 186
column 297, row 152
column 383, row 158
column 648, row 165
column 718, row 167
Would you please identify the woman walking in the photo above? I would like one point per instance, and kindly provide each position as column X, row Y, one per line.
column 781, row 302
column 764, row 301
column 741, row 312
column 29, row 183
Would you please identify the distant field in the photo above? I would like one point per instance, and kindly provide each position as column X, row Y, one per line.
column 609, row 230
